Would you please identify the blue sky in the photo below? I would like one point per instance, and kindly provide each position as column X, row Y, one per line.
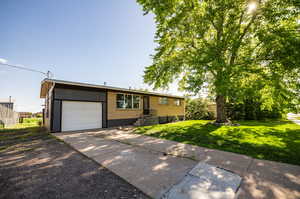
column 88, row 41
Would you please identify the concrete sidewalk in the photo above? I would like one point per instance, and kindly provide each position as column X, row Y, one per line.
column 293, row 117
column 155, row 165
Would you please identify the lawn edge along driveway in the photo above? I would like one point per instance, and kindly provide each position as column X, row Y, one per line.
column 269, row 140
column 260, row 177
column 150, row 171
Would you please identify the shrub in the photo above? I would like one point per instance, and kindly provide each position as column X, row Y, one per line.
column 250, row 110
column 197, row 109
column 39, row 115
column 40, row 123
column 31, row 120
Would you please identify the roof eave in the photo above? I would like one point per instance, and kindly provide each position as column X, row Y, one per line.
column 106, row 87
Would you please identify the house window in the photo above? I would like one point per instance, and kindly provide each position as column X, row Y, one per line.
column 121, row 101
column 136, row 101
column 128, row 101
column 163, row 100
column 177, row 102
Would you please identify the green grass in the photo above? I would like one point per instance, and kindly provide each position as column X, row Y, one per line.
column 32, row 120
column 22, row 132
column 270, row 140
column 27, row 123
column 10, row 137
column 297, row 118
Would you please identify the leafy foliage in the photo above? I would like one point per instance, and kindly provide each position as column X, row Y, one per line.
column 197, row 109
column 252, row 110
column 32, row 120
column 237, row 47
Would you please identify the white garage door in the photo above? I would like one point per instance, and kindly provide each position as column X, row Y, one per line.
column 81, row 115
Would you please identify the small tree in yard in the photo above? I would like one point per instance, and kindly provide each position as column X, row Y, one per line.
column 198, row 109
column 225, row 44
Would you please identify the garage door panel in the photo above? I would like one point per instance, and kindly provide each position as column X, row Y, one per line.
column 81, row 115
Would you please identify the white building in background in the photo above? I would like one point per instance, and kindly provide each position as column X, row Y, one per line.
column 8, row 116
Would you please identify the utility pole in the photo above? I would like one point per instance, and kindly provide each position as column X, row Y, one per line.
column 49, row 74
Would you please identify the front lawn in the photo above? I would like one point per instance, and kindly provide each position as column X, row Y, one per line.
column 271, row 140
column 13, row 137
column 20, row 133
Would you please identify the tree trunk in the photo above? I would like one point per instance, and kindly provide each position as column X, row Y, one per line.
column 221, row 114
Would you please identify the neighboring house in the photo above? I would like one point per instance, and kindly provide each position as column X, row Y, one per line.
column 8, row 116
column 25, row 115
column 78, row 106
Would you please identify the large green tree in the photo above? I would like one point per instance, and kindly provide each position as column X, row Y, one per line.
column 223, row 43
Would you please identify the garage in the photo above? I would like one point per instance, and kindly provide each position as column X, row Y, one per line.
column 80, row 115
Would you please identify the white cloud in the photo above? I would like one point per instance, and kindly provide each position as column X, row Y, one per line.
column 3, row 61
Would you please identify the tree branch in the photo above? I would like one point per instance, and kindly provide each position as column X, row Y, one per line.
column 236, row 47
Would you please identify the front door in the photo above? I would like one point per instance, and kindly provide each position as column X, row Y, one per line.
column 146, row 108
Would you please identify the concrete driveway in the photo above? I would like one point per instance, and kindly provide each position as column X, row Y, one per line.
column 150, row 171
column 158, row 166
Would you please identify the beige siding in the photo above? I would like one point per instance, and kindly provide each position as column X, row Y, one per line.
column 114, row 113
column 169, row 109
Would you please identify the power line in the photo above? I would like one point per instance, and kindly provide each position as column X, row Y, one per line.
column 24, row 68
column 48, row 73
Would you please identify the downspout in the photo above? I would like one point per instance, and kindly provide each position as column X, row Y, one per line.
column 50, row 108
column 52, row 87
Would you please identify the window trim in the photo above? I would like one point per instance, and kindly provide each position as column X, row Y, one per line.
column 124, row 99
column 139, row 100
column 177, row 100
column 160, row 101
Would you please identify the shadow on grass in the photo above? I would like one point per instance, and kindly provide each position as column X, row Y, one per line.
column 24, row 129
column 267, row 123
column 268, row 141
column 10, row 137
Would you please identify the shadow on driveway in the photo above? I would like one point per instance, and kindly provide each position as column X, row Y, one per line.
column 39, row 166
